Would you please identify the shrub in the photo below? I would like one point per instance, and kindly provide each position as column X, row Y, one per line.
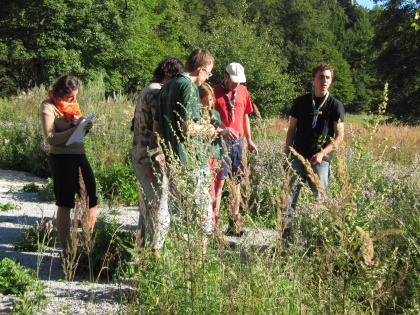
column 15, row 279
column 21, row 144
column 36, row 237
column 46, row 192
column 113, row 248
column 7, row 206
column 31, row 187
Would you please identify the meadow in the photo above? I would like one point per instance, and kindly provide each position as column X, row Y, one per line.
column 356, row 252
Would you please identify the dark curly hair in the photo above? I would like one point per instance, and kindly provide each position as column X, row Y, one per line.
column 169, row 67
column 66, row 84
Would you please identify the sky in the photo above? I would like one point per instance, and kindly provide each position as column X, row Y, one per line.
column 365, row 3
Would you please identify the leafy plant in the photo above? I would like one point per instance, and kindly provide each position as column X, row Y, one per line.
column 15, row 279
column 112, row 254
column 36, row 237
column 22, row 144
column 30, row 302
column 119, row 185
column 7, row 206
column 46, row 192
column 31, row 187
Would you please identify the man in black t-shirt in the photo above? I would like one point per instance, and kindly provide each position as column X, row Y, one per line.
column 316, row 128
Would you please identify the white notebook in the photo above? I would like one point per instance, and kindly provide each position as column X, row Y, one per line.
column 79, row 134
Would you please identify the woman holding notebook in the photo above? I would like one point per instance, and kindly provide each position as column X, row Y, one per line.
column 60, row 115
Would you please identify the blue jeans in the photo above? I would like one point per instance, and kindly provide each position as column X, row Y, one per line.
column 299, row 174
column 232, row 162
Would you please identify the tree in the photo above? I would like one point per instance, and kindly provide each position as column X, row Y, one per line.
column 355, row 46
column 233, row 39
column 398, row 61
column 121, row 39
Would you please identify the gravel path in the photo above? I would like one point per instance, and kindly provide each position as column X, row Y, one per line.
column 79, row 296
column 76, row 297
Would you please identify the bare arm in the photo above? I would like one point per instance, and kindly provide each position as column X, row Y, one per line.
column 316, row 159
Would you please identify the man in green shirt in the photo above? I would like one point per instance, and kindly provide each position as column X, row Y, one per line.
column 177, row 121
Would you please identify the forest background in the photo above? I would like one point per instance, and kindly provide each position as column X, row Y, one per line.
column 355, row 252
column 277, row 41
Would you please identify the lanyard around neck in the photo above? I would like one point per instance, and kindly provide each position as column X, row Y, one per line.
column 317, row 111
column 231, row 102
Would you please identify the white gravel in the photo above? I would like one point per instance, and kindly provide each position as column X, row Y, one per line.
column 79, row 296
column 76, row 297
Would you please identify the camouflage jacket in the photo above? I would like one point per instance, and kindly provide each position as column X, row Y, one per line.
column 144, row 141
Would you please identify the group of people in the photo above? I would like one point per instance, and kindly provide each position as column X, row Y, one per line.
column 179, row 108
column 174, row 111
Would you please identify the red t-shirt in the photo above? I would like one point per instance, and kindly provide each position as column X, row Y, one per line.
column 243, row 106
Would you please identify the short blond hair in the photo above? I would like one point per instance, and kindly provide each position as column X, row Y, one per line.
column 198, row 58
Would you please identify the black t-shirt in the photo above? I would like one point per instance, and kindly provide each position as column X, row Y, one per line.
column 308, row 140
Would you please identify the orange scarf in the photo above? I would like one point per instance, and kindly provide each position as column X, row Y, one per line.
column 68, row 109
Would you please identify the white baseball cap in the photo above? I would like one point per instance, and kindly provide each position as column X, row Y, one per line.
column 236, row 72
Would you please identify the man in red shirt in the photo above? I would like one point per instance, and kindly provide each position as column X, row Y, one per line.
column 234, row 104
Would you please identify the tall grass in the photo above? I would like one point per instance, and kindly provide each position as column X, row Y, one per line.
column 108, row 145
column 356, row 252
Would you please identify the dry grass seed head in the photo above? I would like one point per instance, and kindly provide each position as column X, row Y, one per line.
column 312, row 176
column 71, row 260
column 382, row 234
column 367, row 248
column 367, row 243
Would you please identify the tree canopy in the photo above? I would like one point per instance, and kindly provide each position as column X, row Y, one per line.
column 277, row 41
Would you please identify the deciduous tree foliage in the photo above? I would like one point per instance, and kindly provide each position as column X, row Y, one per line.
column 308, row 33
column 232, row 39
column 122, row 40
column 398, row 61
column 278, row 42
